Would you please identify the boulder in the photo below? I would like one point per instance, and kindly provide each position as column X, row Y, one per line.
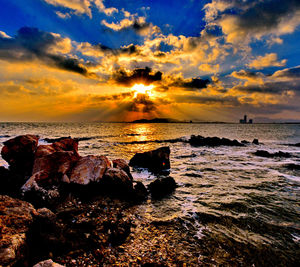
column 19, row 153
column 140, row 191
column 116, row 181
column 198, row 140
column 266, row 154
column 10, row 182
column 292, row 166
column 245, row 142
column 89, row 169
column 155, row 160
column 162, row 186
column 123, row 165
column 48, row 263
column 255, row 142
column 16, row 218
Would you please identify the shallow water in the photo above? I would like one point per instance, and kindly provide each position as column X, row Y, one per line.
column 240, row 208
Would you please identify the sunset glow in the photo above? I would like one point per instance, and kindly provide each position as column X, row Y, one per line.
column 142, row 89
column 100, row 60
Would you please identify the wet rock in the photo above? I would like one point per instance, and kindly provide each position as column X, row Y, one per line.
column 292, row 166
column 255, row 142
column 140, row 191
column 155, row 160
column 116, row 181
column 48, row 263
column 16, row 218
column 19, row 153
column 89, row 169
column 162, row 186
column 198, row 140
column 123, row 165
column 266, row 154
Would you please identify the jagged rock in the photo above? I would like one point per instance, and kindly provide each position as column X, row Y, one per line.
column 48, row 174
column 123, row 165
column 19, row 153
column 198, row 140
column 162, row 186
column 89, row 169
column 10, row 182
column 255, row 142
column 155, row 160
column 16, row 218
column 266, row 154
column 48, row 263
column 117, row 181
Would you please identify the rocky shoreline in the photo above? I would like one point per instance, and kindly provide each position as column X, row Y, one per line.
column 60, row 208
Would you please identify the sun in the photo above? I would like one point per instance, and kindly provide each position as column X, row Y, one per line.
column 142, row 89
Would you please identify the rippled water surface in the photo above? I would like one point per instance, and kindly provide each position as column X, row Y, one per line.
column 240, row 208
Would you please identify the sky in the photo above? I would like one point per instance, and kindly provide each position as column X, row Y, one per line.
column 116, row 60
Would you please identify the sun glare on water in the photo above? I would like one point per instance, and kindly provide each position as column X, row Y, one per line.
column 142, row 89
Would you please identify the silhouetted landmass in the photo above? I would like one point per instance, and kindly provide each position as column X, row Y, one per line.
column 157, row 120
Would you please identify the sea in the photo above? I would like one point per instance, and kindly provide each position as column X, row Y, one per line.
column 233, row 207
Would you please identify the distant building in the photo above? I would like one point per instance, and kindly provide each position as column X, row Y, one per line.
column 244, row 121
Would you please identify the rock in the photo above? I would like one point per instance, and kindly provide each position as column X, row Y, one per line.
column 245, row 142
column 89, row 169
column 116, row 181
column 47, row 263
column 10, row 182
column 255, row 142
column 19, row 153
column 212, row 141
column 140, row 191
column 162, row 186
column 292, row 166
column 123, row 165
column 266, row 154
column 16, row 218
column 64, row 144
column 155, row 160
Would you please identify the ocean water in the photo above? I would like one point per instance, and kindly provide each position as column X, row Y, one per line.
column 241, row 209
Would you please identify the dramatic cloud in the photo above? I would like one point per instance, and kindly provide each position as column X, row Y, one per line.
column 268, row 60
column 243, row 20
column 190, row 84
column 79, row 7
column 136, row 76
column 32, row 44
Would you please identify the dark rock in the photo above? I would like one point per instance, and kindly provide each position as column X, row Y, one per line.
column 16, row 219
column 19, row 153
column 155, row 160
column 123, row 165
column 245, row 142
column 255, row 142
column 292, row 166
column 116, row 181
column 162, row 186
column 266, row 154
column 140, row 191
column 212, row 141
column 10, row 182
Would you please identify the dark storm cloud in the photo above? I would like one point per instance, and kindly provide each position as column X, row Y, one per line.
column 265, row 14
column 142, row 103
column 190, row 84
column 31, row 43
column 142, row 75
column 130, row 49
